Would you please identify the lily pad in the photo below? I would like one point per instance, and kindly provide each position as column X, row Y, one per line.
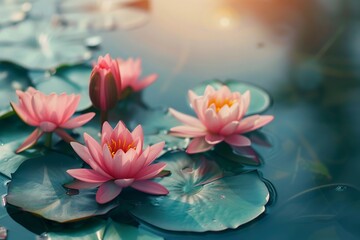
column 11, row 137
column 73, row 79
column 260, row 99
column 12, row 78
column 37, row 187
column 200, row 198
column 153, row 120
column 40, row 45
column 102, row 230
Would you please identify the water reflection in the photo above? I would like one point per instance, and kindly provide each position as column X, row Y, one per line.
column 307, row 54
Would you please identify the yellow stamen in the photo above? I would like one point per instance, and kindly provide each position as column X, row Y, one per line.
column 219, row 103
column 114, row 146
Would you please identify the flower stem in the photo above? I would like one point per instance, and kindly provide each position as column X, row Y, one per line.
column 48, row 139
column 104, row 117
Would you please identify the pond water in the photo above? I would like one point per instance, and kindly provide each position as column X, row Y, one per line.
column 306, row 55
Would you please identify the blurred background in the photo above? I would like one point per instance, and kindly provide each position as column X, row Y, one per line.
column 304, row 53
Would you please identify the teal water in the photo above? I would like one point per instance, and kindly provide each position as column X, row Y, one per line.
column 306, row 54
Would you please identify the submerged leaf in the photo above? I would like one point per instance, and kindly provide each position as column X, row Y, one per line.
column 42, row 180
column 200, row 198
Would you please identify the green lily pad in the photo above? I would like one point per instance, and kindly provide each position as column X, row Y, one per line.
column 40, row 45
column 12, row 136
column 12, row 78
column 37, row 187
column 73, row 79
column 102, row 230
column 260, row 99
column 200, row 198
column 153, row 120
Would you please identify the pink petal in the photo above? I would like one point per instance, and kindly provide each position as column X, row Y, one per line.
column 30, row 141
column 47, row 126
column 140, row 162
column 230, row 128
column 138, row 133
column 139, row 85
column 213, row 138
column 22, row 113
column 192, row 96
column 238, row 140
column 123, row 183
column 108, row 161
column 107, row 192
column 106, row 132
column 94, row 149
column 37, row 106
column 85, row 155
column 76, row 184
column 260, row 122
column 225, row 115
column 150, row 171
column 78, row 121
column 253, row 122
column 187, row 131
column 209, row 89
column 123, row 165
column 187, row 119
column 25, row 103
column 154, row 152
column 87, row 175
column 199, row 105
column 198, row 145
column 246, row 102
column 212, row 121
column 119, row 128
column 64, row 135
column 70, row 108
column 150, row 187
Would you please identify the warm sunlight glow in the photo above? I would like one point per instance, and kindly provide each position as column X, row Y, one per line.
column 224, row 22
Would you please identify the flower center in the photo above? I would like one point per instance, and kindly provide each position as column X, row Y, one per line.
column 114, row 145
column 219, row 103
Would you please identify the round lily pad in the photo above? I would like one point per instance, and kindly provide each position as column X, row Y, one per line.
column 260, row 99
column 12, row 78
column 201, row 198
column 73, row 79
column 37, row 187
column 40, row 45
column 102, row 230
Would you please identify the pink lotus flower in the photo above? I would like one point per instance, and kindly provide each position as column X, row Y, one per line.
column 220, row 118
column 130, row 74
column 49, row 113
column 119, row 161
column 104, row 81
